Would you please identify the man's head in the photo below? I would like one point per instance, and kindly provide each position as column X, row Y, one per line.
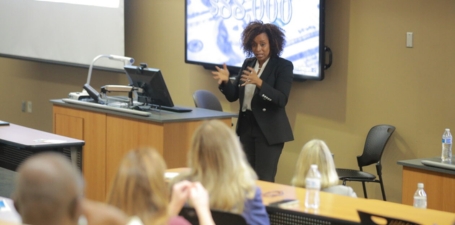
column 48, row 190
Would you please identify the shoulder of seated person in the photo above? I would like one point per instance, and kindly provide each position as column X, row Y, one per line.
column 101, row 213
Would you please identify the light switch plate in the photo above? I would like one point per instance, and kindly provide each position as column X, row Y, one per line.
column 409, row 39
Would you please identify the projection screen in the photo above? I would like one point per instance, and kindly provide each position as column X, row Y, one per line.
column 70, row 32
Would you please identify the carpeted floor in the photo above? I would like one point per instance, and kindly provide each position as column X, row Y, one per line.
column 6, row 182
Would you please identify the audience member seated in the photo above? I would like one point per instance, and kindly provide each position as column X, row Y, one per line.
column 100, row 213
column 49, row 191
column 317, row 152
column 139, row 189
column 216, row 159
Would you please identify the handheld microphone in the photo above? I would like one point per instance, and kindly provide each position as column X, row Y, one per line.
column 127, row 60
column 250, row 63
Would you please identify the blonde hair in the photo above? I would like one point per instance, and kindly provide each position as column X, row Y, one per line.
column 217, row 161
column 139, row 188
column 315, row 152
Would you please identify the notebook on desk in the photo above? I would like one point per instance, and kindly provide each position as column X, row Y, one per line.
column 436, row 162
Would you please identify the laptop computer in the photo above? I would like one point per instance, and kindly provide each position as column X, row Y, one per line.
column 436, row 162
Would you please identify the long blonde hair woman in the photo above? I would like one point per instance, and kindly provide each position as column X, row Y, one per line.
column 139, row 189
column 317, row 152
column 216, row 159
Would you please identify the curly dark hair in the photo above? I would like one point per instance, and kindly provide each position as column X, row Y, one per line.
column 274, row 33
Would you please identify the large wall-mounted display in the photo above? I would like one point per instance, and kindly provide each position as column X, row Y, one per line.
column 214, row 27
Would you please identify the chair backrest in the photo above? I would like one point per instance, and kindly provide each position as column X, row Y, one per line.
column 219, row 217
column 372, row 219
column 207, row 100
column 375, row 143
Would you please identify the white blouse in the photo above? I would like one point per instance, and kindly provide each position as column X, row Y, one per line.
column 250, row 88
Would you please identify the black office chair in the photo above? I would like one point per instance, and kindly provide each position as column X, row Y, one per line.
column 207, row 100
column 375, row 143
column 373, row 219
column 219, row 217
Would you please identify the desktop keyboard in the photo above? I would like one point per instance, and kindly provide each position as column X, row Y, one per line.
column 436, row 162
column 165, row 108
column 173, row 109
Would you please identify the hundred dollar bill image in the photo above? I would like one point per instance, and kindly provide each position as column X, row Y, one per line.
column 214, row 27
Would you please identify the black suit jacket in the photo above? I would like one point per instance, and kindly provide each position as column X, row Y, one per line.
column 268, row 103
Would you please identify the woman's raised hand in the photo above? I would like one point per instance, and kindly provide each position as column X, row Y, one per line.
column 221, row 74
column 250, row 76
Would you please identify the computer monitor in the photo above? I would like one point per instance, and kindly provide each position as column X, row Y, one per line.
column 151, row 80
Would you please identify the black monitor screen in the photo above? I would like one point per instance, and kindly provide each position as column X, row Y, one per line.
column 152, row 82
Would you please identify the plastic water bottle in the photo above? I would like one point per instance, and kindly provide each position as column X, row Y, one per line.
column 420, row 197
column 446, row 155
column 312, row 185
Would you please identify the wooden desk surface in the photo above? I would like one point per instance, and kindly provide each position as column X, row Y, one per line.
column 345, row 208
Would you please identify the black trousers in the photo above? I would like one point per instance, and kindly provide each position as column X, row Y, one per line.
column 262, row 157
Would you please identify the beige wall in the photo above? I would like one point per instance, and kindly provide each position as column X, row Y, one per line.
column 374, row 79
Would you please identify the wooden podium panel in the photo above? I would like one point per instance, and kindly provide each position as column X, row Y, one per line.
column 177, row 141
column 109, row 135
column 90, row 127
column 172, row 140
column 124, row 134
column 439, row 184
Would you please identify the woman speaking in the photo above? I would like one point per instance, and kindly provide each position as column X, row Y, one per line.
column 262, row 86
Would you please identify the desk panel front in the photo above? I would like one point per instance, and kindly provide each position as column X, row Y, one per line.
column 109, row 135
column 90, row 127
column 342, row 209
column 338, row 209
column 439, row 184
